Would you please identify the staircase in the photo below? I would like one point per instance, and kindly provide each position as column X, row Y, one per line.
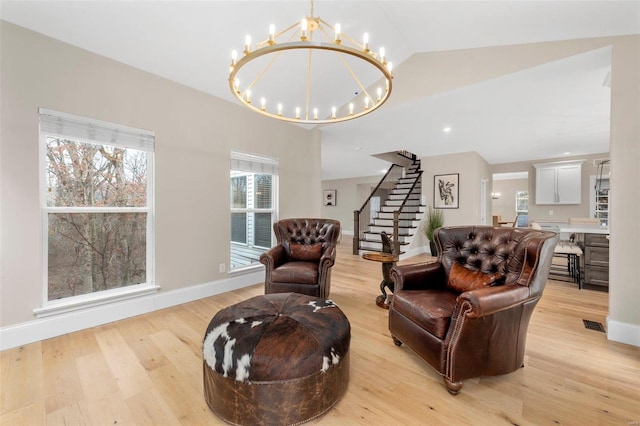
column 403, row 197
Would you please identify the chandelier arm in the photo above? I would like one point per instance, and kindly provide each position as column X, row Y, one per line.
column 306, row 112
column 289, row 28
column 323, row 31
column 355, row 77
column 356, row 43
column 327, row 24
column 266, row 68
column 327, row 37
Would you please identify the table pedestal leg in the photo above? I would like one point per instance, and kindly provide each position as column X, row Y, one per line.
column 384, row 300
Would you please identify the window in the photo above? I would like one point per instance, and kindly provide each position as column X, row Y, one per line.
column 522, row 208
column 374, row 207
column 239, row 202
column 97, row 207
column 253, row 206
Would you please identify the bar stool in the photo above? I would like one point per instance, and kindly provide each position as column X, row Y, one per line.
column 572, row 252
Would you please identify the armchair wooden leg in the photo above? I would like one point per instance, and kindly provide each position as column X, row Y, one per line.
column 396, row 341
column 453, row 387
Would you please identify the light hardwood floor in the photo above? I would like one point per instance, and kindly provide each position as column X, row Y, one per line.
column 147, row 370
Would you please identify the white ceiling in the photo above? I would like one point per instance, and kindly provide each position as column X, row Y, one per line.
column 528, row 114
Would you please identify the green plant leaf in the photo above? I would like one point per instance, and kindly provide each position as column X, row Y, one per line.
column 434, row 220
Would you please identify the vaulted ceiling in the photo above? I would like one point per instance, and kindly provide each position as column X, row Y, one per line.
column 475, row 67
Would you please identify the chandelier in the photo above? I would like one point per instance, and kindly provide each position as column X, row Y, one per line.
column 259, row 69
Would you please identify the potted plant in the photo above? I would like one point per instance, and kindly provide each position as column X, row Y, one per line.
column 433, row 221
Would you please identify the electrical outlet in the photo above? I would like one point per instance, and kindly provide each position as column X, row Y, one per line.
column 550, row 212
column 222, row 267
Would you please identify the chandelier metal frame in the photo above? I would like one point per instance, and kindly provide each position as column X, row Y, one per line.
column 301, row 37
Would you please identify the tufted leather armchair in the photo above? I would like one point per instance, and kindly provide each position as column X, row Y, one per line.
column 301, row 261
column 473, row 332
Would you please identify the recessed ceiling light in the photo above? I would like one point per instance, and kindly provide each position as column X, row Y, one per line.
column 357, row 148
column 567, row 153
column 383, row 170
column 446, row 129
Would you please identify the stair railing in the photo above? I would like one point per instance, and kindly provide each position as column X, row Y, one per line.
column 396, row 215
column 362, row 218
column 406, row 154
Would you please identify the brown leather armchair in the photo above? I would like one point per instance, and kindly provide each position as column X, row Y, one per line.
column 302, row 260
column 467, row 314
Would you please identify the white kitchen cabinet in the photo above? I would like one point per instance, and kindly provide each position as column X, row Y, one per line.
column 559, row 183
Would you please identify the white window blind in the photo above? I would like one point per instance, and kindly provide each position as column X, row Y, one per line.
column 63, row 125
column 252, row 163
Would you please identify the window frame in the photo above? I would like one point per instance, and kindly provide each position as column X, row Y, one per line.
column 519, row 197
column 250, row 236
column 72, row 303
column 251, row 165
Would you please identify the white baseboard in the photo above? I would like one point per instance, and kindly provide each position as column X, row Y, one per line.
column 414, row 252
column 623, row 332
column 44, row 328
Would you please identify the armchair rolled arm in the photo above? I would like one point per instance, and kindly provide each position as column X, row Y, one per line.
column 273, row 257
column 418, row 276
column 489, row 300
column 328, row 258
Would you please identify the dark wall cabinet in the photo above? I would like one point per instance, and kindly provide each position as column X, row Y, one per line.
column 596, row 260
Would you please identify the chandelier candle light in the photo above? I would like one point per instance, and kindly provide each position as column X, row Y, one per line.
column 299, row 38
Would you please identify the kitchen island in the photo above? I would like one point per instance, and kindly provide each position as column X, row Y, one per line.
column 594, row 242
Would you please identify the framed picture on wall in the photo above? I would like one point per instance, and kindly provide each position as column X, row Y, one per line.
column 329, row 197
column 446, row 191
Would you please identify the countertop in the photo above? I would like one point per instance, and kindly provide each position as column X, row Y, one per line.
column 584, row 230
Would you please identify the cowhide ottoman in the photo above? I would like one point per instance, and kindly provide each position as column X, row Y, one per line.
column 277, row 359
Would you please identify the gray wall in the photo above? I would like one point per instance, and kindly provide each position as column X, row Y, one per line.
column 351, row 194
column 195, row 134
column 624, row 287
column 505, row 206
column 472, row 169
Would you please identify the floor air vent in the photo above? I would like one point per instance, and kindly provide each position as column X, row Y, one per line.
column 593, row 325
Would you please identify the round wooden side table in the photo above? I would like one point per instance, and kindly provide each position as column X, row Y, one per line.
column 388, row 261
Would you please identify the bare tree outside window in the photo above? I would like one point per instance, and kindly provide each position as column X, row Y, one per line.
column 96, row 239
column 238, row 192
